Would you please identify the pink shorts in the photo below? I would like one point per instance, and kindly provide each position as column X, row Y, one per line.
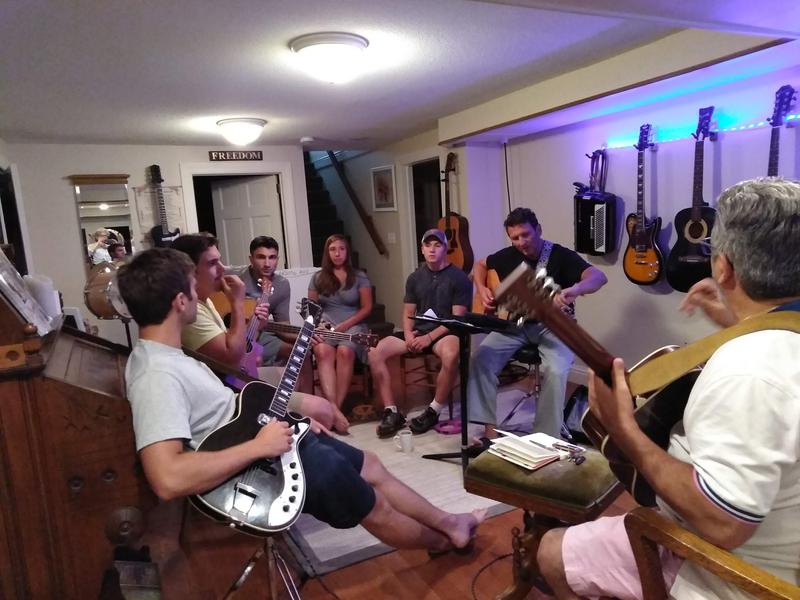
column 598, row 560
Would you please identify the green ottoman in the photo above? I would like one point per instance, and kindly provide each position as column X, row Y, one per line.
column 561, row 493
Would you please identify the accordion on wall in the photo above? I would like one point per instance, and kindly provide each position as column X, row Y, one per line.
column 595, row 222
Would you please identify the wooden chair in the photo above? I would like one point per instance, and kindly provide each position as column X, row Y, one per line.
column 559, row 494
column 420, row 370
column 647, row 529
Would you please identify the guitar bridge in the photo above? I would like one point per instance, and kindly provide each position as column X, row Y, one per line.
column 244, row 496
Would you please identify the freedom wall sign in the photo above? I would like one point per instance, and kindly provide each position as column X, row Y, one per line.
column 221, row 155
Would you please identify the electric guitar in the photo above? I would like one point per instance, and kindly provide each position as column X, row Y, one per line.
column 784, row 98
column 689, row 261
column 253, row 350
column 643, row 260
column 160, row 234
column 455, row 227
column 524, row 292
column 269, row 494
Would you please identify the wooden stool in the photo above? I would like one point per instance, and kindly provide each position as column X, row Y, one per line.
column 422, row 375
column 561, row 493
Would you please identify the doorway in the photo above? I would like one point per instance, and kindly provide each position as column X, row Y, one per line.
column 236, row 209
column 426, row 180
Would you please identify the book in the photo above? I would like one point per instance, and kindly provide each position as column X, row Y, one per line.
column 532, row 451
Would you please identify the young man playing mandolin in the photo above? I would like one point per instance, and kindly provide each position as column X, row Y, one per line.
column 731, row 471
column 176, row 401
column 208, row 335
column 576, row 278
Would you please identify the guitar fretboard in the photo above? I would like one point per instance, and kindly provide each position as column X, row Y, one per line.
column 640, row 217
column 292, row 370
column 774, row 149
column 697, row 185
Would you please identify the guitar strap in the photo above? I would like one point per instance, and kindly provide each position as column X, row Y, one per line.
column 657, row 373
column 544, row 255
column 217, row 366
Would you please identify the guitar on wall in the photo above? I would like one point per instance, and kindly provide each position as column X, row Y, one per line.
column 269, row 494
column 689, row 261
column 253, row 350
column 455, row 227
column 160, row 233
column 643, row 261
column 524, row 292
column 784, row 98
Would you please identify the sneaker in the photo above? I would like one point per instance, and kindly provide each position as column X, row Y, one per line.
column 391, row 423
column 425, row 421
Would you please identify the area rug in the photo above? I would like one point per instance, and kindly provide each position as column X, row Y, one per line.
column 321, row 549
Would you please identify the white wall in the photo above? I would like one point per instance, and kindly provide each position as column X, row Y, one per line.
column 49, row 203
column 4, row 162
column 631, row 320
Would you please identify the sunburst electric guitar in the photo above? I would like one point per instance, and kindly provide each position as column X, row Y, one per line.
column 269, row 494
column 643, row 260
column 784, row 98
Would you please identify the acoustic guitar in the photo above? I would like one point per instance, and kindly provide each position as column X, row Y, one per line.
column 160, row 233
column 492, row 281
column 455, row 227
column 643, row 260
column 689, row 261
column 269, row 494
column 527, row 293
column 784, row 98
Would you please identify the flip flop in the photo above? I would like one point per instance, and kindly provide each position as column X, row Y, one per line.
column 450, row 427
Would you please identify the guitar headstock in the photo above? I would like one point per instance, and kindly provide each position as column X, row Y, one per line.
column 154, row 174
column 309, row 308
column 365, row 339
column 525, row 293
column 450, row 165
column 784, row 98
column 645, row 137
column 703, row 123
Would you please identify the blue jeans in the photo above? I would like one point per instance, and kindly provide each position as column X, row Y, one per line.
column 492, row 355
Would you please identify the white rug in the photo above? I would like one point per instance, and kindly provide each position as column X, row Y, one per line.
column 440, row 482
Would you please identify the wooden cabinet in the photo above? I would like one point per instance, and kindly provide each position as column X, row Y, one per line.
column 71, row 486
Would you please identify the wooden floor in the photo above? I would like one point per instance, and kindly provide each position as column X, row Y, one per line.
column 211, row 556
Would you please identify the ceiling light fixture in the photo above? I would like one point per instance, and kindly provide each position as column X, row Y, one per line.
column 241, row 131
column 332, row 56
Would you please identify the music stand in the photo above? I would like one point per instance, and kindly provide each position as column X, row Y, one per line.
column 464, row 327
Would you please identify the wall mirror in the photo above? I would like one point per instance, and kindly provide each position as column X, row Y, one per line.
column 104, row 216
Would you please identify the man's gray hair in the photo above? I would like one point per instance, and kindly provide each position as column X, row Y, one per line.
column 758, row 229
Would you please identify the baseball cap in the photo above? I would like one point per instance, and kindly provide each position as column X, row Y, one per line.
column 436, row 234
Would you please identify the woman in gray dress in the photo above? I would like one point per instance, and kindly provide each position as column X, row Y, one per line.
column 345, row 295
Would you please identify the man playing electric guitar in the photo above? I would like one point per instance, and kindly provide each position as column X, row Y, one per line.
column 576, row 278
column 208, row 335
column 176, row 401
column 731, row 472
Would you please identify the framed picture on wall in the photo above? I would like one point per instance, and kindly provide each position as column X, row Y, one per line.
column 383, row 196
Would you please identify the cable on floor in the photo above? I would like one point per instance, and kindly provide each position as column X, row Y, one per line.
column 482, row 569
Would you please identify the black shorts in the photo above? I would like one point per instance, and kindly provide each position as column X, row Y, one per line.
column 429, row 350
column 335, row 491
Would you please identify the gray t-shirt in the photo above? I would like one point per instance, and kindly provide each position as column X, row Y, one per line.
column 173, row 396
column 279, row 299
column 438, row 291
column 343, row 303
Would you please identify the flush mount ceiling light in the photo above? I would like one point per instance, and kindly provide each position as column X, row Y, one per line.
column 332, row 56
column 241, row 131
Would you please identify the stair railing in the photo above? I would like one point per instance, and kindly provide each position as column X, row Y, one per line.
column 365, row 218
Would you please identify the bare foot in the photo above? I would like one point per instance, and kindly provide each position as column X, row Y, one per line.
column 462, row 527
column 340, row 422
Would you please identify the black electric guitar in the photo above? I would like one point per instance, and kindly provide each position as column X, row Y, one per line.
column 524, row 292
column 784, row 98
column 160, row 234
column 269, row 494
column 455, row 227
column 643, row 261
column 689, row 261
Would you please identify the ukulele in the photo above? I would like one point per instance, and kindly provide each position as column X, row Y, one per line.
column 455, row 227
column 160, row 234
column 689, row 261
column 253, row 350
column 784, row 98
column 643, row 260
column 269, row 494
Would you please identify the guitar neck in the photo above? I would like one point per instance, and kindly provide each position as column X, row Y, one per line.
column 162, row 207
column 252, row 326
column 697, row 185
column 325, row 334
column 774, row 149
column 640, row 216
column 280, row 401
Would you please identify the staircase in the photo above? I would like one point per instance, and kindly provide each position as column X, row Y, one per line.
column 324, row 221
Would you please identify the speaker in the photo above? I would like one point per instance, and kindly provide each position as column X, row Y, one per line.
column 595, row 222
